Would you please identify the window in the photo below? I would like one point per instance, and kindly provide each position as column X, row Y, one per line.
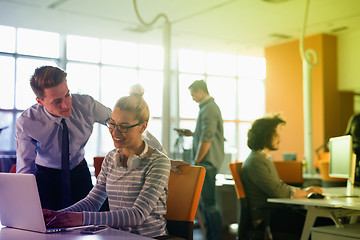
column 38, row 43
column 106, row 69
column 24, row 70
column 119, row 53
column 84, row 78
column 7, row 40
column 151, row 57
column 220, row 64
column 7, row 75
column 83, row 49
column 237, row 85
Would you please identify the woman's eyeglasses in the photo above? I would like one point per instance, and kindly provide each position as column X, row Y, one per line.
column 121, row 128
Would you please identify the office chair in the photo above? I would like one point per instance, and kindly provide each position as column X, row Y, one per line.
column 183, row 199
column 97, row 164
column 291, row 172
column 245, row 229
column 182, row 202
column 13, row 169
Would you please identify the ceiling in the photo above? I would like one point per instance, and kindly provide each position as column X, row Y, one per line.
column 233, row 26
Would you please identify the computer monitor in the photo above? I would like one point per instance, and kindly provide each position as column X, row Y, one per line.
column 342, row 160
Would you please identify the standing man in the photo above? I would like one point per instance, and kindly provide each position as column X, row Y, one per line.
column 261, row 180
column 51, row 136
column 208, row 151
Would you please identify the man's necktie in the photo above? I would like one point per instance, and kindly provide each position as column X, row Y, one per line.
column 65, row 168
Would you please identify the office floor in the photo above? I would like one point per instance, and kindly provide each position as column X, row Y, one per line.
column 228, row 234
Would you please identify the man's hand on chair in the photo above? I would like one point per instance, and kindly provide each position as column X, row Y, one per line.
column 175, row 165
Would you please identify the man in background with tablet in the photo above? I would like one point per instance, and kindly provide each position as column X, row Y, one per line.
column 208, row 152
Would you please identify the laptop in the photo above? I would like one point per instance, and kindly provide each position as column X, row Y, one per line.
column 20, row 205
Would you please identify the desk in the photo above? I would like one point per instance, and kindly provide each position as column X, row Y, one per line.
column 111, row 234
column 348, row 232
column 331, row 207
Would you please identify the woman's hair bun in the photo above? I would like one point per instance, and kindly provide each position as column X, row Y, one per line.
column 137, row 90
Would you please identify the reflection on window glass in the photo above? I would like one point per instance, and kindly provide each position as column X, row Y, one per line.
column 251, row 67
column 38, row 43
column 221, row 64
column 223, row 90
column 151, row 56
column 191, row 61
column 25, row 97
column 251, row 95
column 152, row 81
column 188, row 107
column 7, row 39
column 83, row 49
column 119, row 53
column 83, row 78
column 116, row 83
column 7, row 75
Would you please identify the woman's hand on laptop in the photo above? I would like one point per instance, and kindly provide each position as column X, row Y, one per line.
column 62, row 219
column 49, row 215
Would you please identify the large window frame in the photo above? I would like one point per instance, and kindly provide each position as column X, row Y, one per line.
column 138, row 68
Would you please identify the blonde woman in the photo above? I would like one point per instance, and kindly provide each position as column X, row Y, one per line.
column 133, row 176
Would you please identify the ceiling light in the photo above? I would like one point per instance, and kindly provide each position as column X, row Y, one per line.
column 138, row 28
column 339, row 29
column 279, row 35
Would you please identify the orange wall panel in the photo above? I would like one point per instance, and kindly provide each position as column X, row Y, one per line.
column 284, row 91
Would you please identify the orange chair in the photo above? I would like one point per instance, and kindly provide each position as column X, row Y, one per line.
column 326, row 180
column 183, row 199
column 290, row 172
column 13, row 169
column 97, row 164
column 245, row 229
column 319, row 157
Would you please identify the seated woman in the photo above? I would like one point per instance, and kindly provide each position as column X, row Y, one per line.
column 133, row 176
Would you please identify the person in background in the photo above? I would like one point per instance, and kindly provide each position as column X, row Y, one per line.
column 207, row 151
column 134, row 177
column 353, row 129
column 261, row 180
column 39, row 138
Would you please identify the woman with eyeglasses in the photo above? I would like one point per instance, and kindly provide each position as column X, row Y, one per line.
column 133, row 176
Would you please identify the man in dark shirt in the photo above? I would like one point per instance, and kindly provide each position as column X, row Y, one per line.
column 261, row 180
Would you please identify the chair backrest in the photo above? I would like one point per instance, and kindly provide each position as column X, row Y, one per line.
column 183, row 199
column 235, row 169
column 244, row 222
column 97, row 164
column 290, row 172
column 13, row 169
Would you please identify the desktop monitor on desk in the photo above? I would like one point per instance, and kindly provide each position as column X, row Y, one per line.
column 342, row 160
